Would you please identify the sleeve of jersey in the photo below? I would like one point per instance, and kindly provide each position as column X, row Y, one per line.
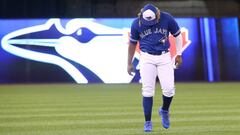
column 134, row 35
column 179, row 44
column 173, row 26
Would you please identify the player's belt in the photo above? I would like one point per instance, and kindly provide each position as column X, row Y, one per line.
column 158, row 53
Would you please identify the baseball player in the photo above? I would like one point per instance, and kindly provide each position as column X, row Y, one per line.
column 151, row 29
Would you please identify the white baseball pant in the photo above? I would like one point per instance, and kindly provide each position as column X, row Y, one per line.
column 152, row 66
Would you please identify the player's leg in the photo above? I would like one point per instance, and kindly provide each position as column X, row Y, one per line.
column 148, row 76
column 166, row 78
column 148, row 73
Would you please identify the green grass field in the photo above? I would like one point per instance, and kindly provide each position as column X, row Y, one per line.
column 68, row 109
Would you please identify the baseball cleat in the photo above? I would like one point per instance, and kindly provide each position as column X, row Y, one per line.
column 148, row 126
column 165, row 118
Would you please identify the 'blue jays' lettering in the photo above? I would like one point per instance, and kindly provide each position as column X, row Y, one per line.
column 150, row 37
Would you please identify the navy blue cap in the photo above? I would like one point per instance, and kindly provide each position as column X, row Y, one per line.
column 149, row 15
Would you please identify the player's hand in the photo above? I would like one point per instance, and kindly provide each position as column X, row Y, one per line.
column 178, row 61
column 130, row 69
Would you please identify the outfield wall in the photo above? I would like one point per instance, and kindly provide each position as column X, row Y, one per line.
column 94, row 50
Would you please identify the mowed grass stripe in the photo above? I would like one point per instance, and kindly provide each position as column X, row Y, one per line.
column 122, row 120
column 191, row 113
column 108, row 123
column 177, row 108
column 73, row 111
column 119, row 129
column 119, row 118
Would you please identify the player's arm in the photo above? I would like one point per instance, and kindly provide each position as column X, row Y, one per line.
column 134, row 36
column 175, row 31
column 131, row 52
column 178, row 59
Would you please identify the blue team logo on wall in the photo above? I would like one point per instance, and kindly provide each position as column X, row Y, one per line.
column 88, row 51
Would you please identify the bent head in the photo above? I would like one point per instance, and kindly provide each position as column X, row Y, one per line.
column 149, row 15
